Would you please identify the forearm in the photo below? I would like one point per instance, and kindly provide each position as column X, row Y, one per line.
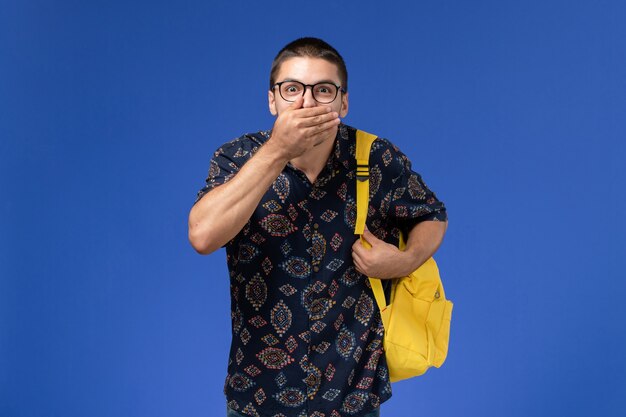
column 223, row 212
column 423, row 241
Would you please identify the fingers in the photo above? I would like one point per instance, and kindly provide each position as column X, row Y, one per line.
column 361, row 254
column 312, row 111
column 357, row 247
column 317, row 119
column 320, row 119
column 298, row 129
column 315, row 135
column 370, row 237
column 320, row 130
column 358, row 267
column 296, row 106
column 356, row 256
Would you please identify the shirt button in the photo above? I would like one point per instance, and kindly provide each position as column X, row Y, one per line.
column 316, row 269
column 316, row 226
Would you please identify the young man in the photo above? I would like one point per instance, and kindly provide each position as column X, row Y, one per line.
column 306, row 332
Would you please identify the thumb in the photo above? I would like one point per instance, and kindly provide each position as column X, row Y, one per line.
column 369, row 236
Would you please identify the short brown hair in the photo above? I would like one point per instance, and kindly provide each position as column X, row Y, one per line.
column 314, row 48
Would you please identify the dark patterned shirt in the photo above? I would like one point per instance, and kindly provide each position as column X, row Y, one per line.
column 306, row 331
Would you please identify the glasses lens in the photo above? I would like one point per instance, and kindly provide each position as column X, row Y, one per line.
column 291, row 90
column 324, row 92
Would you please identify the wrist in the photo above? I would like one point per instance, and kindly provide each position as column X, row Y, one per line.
column 411, row 259
column 275, row 152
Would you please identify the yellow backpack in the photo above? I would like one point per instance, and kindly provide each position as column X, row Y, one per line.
column 417, row 318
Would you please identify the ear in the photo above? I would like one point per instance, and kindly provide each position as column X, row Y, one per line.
column 344, row 105
column 271, row 100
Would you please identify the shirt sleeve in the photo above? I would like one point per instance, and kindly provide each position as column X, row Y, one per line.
column 225, row 163
column 405, row 200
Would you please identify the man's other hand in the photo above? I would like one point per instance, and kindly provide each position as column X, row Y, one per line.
column 381, row 260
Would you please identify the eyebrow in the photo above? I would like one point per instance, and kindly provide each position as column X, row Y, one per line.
column 318, row 82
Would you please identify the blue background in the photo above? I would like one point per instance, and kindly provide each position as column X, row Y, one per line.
column 514, row 113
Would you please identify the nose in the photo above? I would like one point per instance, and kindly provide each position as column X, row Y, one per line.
column 309, row 101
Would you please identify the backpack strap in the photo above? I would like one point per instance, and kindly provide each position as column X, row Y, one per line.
column 364, row 142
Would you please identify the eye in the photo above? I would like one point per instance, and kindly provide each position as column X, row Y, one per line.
column 325, row 89
column 291, row 88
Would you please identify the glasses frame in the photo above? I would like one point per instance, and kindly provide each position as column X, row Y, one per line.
column 339, row 88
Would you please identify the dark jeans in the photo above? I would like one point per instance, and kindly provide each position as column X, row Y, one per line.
column 232, row 413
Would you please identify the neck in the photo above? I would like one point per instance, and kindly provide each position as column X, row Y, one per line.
column 313, row 161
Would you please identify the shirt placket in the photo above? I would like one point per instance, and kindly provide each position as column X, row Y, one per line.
column 318, row 204
column 311, row 379
column 315, row 206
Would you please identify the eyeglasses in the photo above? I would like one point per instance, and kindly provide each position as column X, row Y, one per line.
column 324, row 92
